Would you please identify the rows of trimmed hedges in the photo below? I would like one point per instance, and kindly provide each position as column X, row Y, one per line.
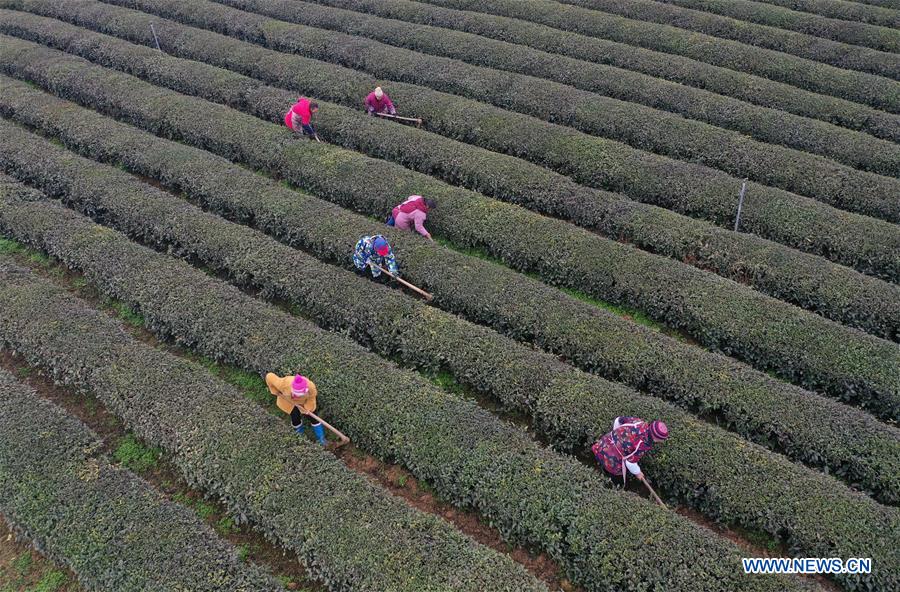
column 767, row 125
column 349, row 533
column 404, row 328
column 874, row 57
column 640, row 127
column 805, row 280
column 868, row 89
column 569, row 408
column 850, row 365
column 893, row 4
column 866, row 11
column 645, row 359
column 708, row 383
column 813, row 351
column 535, row 497
column 237, row 194
column 744, row 87
column 109, row 526
column 858, row 33
column 863, row 243
column 722, row 82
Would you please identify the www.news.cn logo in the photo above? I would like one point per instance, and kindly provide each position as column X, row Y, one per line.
column 806, row 565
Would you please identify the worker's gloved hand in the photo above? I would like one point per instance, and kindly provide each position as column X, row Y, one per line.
column 392, row 111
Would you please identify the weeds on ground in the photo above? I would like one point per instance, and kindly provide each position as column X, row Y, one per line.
column 135, row 455
column 125, row 312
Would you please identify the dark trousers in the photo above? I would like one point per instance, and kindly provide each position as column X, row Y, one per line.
column 297, row 417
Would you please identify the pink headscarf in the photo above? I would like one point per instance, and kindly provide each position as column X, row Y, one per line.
column 299, row 387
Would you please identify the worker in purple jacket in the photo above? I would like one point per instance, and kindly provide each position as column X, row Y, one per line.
column 379, row 102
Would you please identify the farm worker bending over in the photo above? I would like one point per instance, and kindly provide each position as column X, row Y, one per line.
column 379, row 102
column 375, row 251
column 624, row 446
column 413, row 211
column 299, row 117
column 302, row 394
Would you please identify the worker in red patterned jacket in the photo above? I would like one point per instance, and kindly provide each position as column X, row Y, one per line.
column 378, row 102
column 630, row 439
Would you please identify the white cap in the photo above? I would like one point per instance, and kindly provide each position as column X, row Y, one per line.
column 378, row 92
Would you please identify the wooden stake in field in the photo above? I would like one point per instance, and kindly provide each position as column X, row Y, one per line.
column 653, row 493
column 737, row 220
column 328, row 426
column 416, row 289
column 415, row 120
column 155, row 38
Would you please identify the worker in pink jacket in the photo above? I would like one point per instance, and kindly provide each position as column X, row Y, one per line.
column 412, row 212
column 299, row 118
column 379, row 102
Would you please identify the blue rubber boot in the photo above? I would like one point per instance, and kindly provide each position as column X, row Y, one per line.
column 299, row 429
column 319, row 431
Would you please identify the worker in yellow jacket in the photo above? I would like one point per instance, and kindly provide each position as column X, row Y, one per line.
column 301, row 393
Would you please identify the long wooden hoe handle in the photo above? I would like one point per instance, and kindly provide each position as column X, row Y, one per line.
column 328, row 426
column 418, row 290
column 331, row 428
column 416, row 120
column 653, row 493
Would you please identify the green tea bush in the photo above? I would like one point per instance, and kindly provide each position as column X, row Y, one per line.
column 870, row 11
column 767, row 125
column 349, row 533
column 729, row 83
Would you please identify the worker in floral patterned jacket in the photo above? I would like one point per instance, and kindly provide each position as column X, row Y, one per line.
column 374, row 252
column 378, row 102
column 298, row 398
column 630, row 439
